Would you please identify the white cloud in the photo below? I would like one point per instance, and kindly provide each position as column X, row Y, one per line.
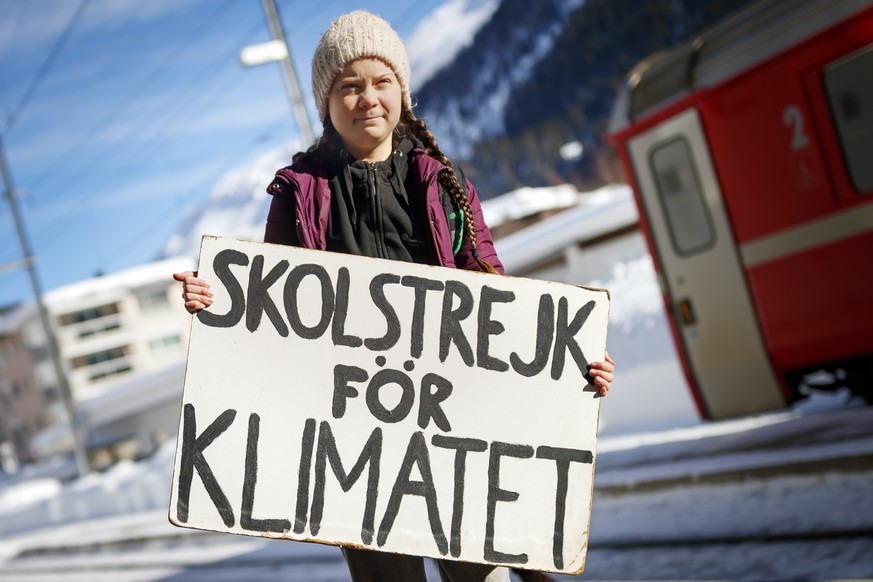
column 38, row 24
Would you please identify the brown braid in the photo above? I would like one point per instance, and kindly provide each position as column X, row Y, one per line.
column 447, row 178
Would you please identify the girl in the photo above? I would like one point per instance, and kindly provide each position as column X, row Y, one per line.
column 376, row 184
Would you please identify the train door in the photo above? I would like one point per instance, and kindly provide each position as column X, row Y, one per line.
column 702, row 273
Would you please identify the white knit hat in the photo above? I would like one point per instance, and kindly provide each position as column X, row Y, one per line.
column 353, row 36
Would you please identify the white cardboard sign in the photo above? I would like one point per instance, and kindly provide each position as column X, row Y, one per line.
column 392, row 406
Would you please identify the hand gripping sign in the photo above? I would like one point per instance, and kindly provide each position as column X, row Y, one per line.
column 391, row 406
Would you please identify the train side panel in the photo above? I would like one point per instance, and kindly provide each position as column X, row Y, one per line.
column 804, row 230
column 786, row 225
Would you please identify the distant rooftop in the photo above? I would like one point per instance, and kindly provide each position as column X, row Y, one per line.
column 125, row 279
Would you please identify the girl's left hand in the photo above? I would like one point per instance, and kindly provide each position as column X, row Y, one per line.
column 601, row 374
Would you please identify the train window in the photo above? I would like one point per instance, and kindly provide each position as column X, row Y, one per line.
column 849, row 87
column 681, row 197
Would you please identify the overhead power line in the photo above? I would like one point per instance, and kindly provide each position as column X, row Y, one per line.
column 171, row 214
column 210, row 19
column 173, row 113
column 46, row 66
column 168, row 111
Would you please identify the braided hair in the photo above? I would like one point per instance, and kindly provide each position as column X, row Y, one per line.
column 447, row 178
column 331, row 142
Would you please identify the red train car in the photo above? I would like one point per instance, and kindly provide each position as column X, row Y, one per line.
column 750, row 152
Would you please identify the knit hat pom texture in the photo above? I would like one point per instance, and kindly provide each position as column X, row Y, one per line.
column 356, row 35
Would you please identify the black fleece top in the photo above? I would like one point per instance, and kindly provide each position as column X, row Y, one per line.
column 374, row 212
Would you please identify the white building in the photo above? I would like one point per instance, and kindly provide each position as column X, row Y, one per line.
column 120, row 325
column 577, row 245
column 115, row 331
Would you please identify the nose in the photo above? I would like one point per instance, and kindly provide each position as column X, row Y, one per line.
column 367, row 98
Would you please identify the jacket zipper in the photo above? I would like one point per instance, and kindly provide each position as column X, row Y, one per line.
column 377, row 213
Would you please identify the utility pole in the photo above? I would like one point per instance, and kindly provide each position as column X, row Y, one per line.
column 54, row 352
column 289, row 73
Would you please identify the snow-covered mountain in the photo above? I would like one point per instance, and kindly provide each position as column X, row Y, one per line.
column 439, row 37
column 236, row 206
column 540, row 74
column 465, row 103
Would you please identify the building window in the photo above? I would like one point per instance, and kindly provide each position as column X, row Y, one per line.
column 849, row 88
column 99, row 357
column 39, row 353
column 107, row 325
column 100, row 374
column 89, row 314
column 165, row 344
column 52, row 393
column 154, row 300
column 681, row 197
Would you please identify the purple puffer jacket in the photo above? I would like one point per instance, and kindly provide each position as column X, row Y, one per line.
column 307, row 183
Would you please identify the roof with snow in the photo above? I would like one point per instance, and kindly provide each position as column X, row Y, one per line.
column 125, row 279
column 600, row 212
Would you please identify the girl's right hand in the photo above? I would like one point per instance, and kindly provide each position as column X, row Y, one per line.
column 195, row 292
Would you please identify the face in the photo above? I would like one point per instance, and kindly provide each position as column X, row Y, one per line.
column 364, row 105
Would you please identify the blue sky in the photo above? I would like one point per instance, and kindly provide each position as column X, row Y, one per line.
column 115, row 131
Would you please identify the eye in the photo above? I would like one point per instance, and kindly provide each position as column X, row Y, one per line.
column 345, row 87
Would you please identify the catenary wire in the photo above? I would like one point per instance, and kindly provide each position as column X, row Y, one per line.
column 55, row 51
column 44, row 69
column 49, row 184
column 211, row 18
column 86, row 201
column 163, row 127
column 52, row 183
column 170, row 122
column 165, row 217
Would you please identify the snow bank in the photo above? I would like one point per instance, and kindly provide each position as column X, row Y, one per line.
column 126, row 487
